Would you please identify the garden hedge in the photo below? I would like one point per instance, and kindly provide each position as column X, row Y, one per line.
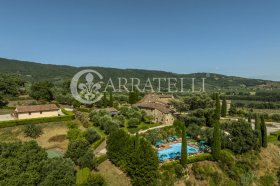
column 13, row 123
column 274, row 136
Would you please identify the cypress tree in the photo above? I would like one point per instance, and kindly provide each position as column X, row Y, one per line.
column 218, row 107
column 263, row 132
column 258, row 130
column 216, row 147
column 224, row 108
column 184, row 154
column 111, row 99
column 105, row 100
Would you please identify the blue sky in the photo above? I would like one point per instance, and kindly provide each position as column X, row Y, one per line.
column 232, row 37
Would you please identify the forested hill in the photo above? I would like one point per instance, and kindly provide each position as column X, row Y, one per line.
column 32, row 71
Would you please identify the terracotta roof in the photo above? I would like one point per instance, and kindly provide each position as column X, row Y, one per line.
column 152, row 105
column 36, row 108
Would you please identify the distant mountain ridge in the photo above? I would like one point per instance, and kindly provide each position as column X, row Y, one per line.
column 32, row 71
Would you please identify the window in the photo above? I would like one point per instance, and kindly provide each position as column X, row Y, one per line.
column 29, row 113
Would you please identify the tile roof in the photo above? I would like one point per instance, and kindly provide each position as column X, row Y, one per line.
column 36, row 108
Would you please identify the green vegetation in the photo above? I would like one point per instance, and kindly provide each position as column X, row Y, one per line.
column 240, row 137
column 216, row 147
column 134, row 155
column 37, row 169
column 33, row 131
column 224, row 108
column 263, row 132
column 12, row 123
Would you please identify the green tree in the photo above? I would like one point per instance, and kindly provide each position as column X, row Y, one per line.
column 42, row 90
column 181, row 128
column 111, row 100
column 240, row 136
column 263, row 132
column 133, row 122
column 78, row 152
column 224, row 107
column 57, row 171
column 218, row 107
column 216, row 147
column 258, row 130
column 91, row 135
column 105, row 101
column 2, row 102
column 33, row 131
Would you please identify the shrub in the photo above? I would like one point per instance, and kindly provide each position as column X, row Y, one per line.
column 33, row 131
column 95, row 179
column 203, row 171
column 74, row 134
column 13, row 123
column 120, row 120
column 110, row 127
column 72, row 125
column 104, row 121
column 202, row 157
column 266, row 180
column 101, row 159
column 91, row 135
column 88, row 160
column 179, row 171
column 133, row 122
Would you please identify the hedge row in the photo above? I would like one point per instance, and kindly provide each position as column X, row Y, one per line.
column 191, row 159
column 97, row 143
column 69, row 113
column 274, row 136
column 101, row 159
column 201, row 157
column 84, row 109
column 13, row 123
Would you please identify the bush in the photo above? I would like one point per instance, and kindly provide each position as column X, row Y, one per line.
column 203, row 171
column 266, row 180
column 33, row 131
column 101, row 159
column 74, row 134
column 120, row 120
column 96, row 180
column 72, row 125
column 110, row 127
column 104, row 121
column 91, row 135
column 133, row 122
column 202, row 157
column 179, row 171
column 13, row 123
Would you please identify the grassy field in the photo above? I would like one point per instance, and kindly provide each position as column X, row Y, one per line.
column 113, row 175
column 50, row 130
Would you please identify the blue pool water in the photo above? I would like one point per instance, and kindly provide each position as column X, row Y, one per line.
column 175, row 150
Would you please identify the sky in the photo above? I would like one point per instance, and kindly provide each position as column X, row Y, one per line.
column 231, row 37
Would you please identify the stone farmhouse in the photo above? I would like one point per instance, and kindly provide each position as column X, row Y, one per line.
column 36, row 111
column 157, row 106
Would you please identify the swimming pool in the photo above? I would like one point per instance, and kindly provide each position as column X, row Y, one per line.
column 175, row 151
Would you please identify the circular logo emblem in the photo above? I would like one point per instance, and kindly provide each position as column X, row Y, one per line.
column 85, row 86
